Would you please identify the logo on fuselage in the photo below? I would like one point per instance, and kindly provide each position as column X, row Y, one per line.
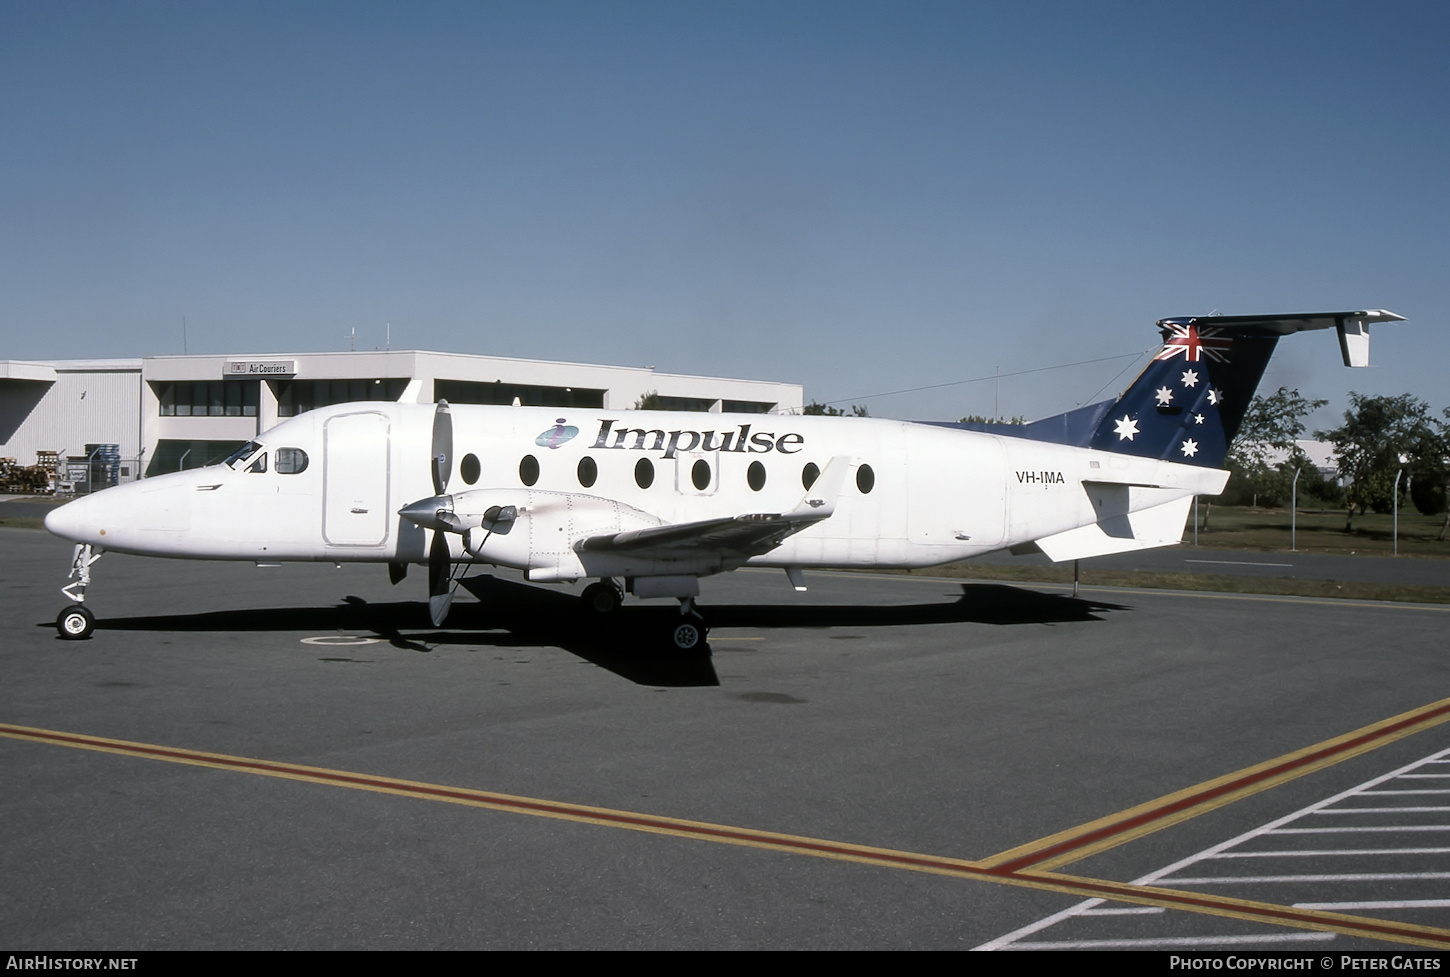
column 556, row 435
column 674, row 442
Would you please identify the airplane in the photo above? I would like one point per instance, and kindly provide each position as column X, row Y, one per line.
column 648, row 502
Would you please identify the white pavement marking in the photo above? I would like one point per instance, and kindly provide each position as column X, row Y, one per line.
column 1378, row 904
column 1334, row 851
column 1346, row 829
column 1240, row 563
column 1164, row 875
column 1340, row 877
column 340, row 640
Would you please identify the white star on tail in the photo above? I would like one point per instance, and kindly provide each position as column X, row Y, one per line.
column 1126, row 428
column 1190, row 378
column 1198, row 418
column 1165, row 396
column 1214, row 396
column 1190, row 448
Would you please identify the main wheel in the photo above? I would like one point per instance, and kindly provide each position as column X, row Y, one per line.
column 75, row 623
column 688, row 635
column 601, row 598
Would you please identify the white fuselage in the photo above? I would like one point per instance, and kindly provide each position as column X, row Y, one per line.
column 915, row 495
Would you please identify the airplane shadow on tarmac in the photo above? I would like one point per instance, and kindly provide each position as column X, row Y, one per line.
column 513, row 614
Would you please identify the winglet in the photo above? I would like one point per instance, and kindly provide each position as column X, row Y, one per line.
column 820, row 499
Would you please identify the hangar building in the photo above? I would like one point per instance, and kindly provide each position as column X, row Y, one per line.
column 169, row 412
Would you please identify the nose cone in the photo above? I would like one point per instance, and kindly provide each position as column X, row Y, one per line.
column 74, row 521
column 430, row 513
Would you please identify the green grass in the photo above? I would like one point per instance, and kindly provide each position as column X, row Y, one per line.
column 1095, row 577
column 1318, row 531
column 1264, row 531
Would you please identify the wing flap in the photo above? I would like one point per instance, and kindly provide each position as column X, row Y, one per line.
column 749, row 535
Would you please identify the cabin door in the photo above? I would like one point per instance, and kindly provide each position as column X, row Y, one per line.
column 356, row 508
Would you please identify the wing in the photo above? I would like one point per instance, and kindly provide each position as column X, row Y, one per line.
column 748, row 535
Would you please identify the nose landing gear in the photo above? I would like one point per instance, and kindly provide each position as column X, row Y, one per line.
column 76, row 621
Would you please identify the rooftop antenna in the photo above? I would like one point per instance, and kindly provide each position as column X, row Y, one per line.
column 183, row 335
column 352, row 340
column 389, row 346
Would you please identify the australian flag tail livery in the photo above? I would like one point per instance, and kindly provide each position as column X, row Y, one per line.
column 1187, row 404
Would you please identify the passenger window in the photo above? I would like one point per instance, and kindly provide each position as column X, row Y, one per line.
column 700, row 475
column 865, row 479
column 755, row 476
column 469, row 468
column 810, row 474
column 291, row 461
column 529, row 470
column 588, row 471
column 644, row 473
column 259, row 465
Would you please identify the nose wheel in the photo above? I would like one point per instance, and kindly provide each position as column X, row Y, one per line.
column 75, row 623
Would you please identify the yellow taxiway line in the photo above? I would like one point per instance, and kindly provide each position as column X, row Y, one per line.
column 1025, row 866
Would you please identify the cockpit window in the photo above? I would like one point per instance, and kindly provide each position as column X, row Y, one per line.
column 259, row 465
column 291, row 461
column 246, row 451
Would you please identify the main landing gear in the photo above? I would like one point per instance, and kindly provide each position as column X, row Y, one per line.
column 602, row 598
column 76, row 621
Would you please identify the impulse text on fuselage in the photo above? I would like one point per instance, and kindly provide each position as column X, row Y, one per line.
column 674, row 442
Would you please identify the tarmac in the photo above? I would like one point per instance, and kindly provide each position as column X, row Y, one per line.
column 290, row 758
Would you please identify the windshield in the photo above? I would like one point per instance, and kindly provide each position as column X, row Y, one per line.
column 246, row 451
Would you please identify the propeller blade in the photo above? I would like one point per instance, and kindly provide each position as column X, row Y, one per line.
column 442, row 464
column 440, row 597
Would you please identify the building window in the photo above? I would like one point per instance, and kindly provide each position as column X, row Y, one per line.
column 745, row 407
column 175, row 455
column 681, row 403
column 208, row 398
column 300, row 396
column 504, row 394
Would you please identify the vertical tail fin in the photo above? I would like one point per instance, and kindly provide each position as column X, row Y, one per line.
column 1187, row 404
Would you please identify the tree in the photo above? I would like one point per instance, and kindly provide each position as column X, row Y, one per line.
column 1264, row 454
column 1381, row 435
column 826, row 410
column 649, row 401
column 979, row 419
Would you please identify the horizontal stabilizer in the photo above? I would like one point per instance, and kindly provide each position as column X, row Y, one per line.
column 1353, row 327
column 1161, row 525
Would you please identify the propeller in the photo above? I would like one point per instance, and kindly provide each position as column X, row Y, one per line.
column 440, row 595
column 442, row 447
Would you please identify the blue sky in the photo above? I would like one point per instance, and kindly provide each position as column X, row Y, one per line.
column 860, row 197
